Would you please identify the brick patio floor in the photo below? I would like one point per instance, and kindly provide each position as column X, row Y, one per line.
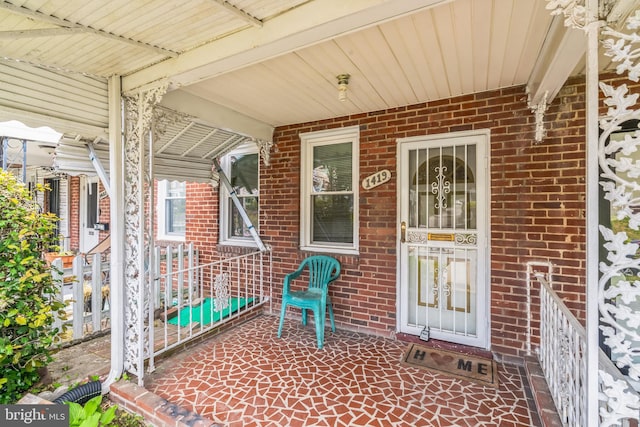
column 248, row 377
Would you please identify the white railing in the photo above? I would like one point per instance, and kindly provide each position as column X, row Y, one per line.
column 191, row 301
column 77, row 287
column 85, row 315
column 562, row 356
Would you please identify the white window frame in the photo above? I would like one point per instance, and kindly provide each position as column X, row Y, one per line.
column 161, row 210
column 225, row 202
column 308, row 141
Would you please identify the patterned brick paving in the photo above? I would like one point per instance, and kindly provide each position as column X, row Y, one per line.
column 248, row 377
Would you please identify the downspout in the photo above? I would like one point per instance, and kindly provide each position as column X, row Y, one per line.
column 116, row 165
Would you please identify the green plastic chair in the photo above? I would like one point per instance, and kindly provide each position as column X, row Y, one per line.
column 322, row 271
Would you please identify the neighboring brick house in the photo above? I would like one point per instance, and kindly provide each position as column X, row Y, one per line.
column 537, row 207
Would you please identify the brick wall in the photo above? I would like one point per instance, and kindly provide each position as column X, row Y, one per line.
column 202, row 219
column 537, row 206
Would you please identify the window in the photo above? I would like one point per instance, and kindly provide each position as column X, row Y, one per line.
column 172, row 219
column 329, row 191
column 242, row 168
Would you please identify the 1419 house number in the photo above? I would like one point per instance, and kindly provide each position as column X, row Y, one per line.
column 376, row 179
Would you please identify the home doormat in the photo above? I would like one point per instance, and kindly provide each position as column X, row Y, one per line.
column 465, row 366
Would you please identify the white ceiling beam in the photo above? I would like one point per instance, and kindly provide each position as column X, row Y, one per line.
column 239, row 13
column 309, row 24
column 216, row 115
column 39, row 16
column 561, row 52
column 40, row 32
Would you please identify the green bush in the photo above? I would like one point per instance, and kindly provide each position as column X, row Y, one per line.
column 26, row 309
column 91, row 414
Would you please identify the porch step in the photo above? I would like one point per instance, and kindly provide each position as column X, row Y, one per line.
column 155, row 410
column 541, row 394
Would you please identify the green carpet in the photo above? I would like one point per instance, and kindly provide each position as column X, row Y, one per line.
column 207, row 309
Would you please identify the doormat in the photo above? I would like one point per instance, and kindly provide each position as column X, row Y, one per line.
column 202, row 313
column 473, row 368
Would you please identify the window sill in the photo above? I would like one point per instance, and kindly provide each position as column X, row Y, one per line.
column 169, row 238
column 330, row 250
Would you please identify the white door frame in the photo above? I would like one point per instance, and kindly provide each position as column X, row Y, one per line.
column 483, row 334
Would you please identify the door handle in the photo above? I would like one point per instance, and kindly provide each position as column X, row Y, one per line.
column 403, row 231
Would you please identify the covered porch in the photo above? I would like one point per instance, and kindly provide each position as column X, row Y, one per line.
column 246, row 376
column 386, row 81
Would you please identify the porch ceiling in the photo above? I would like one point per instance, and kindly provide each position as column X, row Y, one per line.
column 258, row 64
column 184, row 151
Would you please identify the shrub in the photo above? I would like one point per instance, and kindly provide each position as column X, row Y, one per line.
column 26, row 309
column 91, row 414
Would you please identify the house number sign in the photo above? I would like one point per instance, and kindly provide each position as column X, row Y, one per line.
column 376, row 179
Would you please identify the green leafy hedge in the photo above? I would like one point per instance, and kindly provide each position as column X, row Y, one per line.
column 26, row 309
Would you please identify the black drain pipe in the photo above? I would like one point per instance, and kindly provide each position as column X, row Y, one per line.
column 81, row 394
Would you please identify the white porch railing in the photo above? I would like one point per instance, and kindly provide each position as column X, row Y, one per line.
column 78, row 286
column 562, row 356
column 195, row 299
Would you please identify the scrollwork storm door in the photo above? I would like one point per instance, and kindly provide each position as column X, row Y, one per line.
column 442, row 221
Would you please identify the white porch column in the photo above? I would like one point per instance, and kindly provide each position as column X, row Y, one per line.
column 592, row 208
column 138, row 229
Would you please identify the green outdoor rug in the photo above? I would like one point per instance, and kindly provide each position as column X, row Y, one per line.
column 202, row 312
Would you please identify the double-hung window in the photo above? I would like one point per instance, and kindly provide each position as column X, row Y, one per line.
column 172, row 218
column 329, row 190
column 242, row 168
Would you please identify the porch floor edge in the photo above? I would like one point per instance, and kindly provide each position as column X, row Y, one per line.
column 153, row 408
column 541, row 395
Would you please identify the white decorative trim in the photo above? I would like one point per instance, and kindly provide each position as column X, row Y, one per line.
column 139, row 113
column 222, row 292
column 619, row 287
column 574, row 11
column 265, row 150
column 621, row 403
column 538, row 110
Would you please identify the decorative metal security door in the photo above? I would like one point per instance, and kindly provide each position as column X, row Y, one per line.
column 442, row 231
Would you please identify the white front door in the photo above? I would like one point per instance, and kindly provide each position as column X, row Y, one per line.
column 89, row 213
column 443, row 229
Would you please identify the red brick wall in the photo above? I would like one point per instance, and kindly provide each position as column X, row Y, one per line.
column 202, row 219
column 537, row 205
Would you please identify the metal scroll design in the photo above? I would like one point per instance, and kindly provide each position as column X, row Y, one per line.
column 619, row 286
column 441, row 187
column 139, row 114
column 617, row 290
column 222, row 292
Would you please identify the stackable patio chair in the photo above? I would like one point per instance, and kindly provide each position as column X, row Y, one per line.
column 322, row 271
